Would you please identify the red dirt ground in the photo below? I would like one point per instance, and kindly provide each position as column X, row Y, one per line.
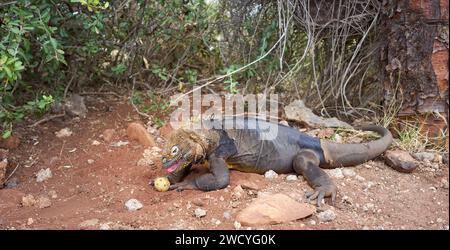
column 96, row 193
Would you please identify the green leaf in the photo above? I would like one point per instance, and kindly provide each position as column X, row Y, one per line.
column 6, row 134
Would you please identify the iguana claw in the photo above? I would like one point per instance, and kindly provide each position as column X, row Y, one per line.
column 321, row 192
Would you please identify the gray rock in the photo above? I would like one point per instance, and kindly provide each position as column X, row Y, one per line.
column 400, row 160
column 43, row 174
column 428, row 157
column 200, row 212
column 133, row 205
column 271, row 174
column 291, row 177
column 297, row 111
column 327, row 215
column 12, row 183
column 75, row 106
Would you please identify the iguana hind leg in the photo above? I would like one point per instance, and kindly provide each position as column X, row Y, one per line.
column 306, row 163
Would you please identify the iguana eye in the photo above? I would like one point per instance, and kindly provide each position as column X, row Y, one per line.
column 174, row 150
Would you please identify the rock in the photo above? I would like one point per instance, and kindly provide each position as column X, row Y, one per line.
column 445, row 158
column 43, row 202
column 237, row 192
column 271, row 174
column 133, row 205
column 120, row 143
column 227, row 215
column 108, row 134
column 136, row 131
column 368, row 206
column 348, row 172
column 360, row 178
column 325, row 133
column 30, row 221
column 336, row 173
column 88, row 223
column 11, row 142
column 43, row 175
column 65, row 132
column 297, row 111
column 12, row 183
column 274, row 209
column 90, row 161
column 327, row 215
column 284, row 123
column 428, row 157
column 338, row 138
column 237, row 225
column 28, row 200
column 291, row 177
column 3, row 165
column 199, row 212
column 105, row 226
column 400, row 160
column 53, row 194
column 95, row 143
column 145, row 162
column 74, row 106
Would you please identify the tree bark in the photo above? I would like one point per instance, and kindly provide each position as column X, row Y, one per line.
column 414, row 57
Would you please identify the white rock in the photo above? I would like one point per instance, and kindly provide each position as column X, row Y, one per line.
column 199, row 212
column 360, row 178
column 327, row 215
column 284, row 122
column 348, row 172
column 336, row 173
column 95, row 143
column 43, row 175
column 291, row 177
column 271, row 174
column 133, row 205
column 227, row 215
column 105, row 226
column 65, row 132
column 120, row 143
column 368, row 206
column 30, row 221
column 90, row 161
column 338, row 138
column 237, row 225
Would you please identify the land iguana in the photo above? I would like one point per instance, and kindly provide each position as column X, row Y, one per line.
column 243, row 148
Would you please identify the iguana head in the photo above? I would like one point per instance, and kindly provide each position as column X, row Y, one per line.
column 183, row 148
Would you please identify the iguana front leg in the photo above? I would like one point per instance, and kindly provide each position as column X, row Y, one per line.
column 306, row 163
column 218, row 178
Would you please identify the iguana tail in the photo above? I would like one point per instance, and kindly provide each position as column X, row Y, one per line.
column 341, row 155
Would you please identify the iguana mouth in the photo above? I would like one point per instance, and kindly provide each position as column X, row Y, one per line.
column 173, row 164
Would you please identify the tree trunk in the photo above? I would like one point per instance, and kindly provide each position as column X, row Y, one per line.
column 414, row 59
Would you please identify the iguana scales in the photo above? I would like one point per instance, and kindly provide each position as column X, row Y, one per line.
column 242, row 148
